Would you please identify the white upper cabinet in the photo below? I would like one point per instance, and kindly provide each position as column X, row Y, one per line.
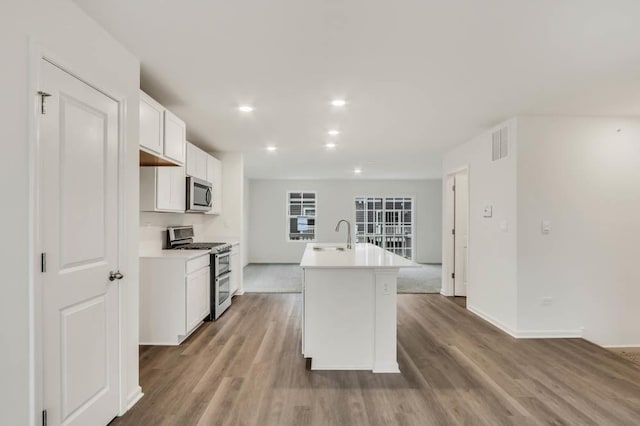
column 214, row 175
column 151, row 124
column 162, row 189
column 197, row 161
column 162, row 135
column 175, row 137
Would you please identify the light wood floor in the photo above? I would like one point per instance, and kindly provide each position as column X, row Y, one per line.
column 246, row 368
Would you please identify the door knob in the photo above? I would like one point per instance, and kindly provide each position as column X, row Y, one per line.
column 115, row 276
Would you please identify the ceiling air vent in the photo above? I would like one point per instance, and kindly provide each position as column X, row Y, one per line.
column 499, row 143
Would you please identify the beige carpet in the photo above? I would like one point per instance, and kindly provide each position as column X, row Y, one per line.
column 631, row 354
column 287, row 278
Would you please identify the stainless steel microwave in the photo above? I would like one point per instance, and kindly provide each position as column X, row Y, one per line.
column 199, row 195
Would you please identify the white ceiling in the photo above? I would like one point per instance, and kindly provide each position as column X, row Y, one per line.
column 420, row 76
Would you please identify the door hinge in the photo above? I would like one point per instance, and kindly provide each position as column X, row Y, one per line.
column 453, row 232
column 43, row 262
column 43, row 103
column 44, row 417
column 453, row 188
column 453, row 275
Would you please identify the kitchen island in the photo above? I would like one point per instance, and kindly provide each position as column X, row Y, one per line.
column 349, row 317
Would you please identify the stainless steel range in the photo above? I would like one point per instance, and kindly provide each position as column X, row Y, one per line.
column 181, row 238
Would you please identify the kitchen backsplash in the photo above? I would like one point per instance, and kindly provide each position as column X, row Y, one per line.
column 153, row 227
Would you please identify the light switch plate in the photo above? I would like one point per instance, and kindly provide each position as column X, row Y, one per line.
column 546, row 227
column 488, row 211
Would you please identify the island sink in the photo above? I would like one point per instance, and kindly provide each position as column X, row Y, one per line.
column 349, row 313
column 328, row 248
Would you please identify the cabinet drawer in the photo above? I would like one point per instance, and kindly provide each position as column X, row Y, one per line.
column 197, row 263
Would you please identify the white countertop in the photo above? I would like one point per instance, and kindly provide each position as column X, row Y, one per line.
column 173, row 254
column 232, row 241
column 360, row 256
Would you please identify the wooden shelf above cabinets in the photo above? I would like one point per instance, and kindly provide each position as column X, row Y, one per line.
column 150, row 160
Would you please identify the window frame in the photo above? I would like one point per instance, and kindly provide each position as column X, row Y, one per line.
column 288, row 216
column 384, row 235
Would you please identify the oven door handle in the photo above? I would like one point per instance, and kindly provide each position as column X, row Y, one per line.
column 223, row 255
column 223, row 276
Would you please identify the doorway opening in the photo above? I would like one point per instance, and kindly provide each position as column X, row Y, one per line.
column 457, row 227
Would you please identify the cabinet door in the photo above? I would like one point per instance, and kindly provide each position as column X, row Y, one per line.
column 214, row 175
column 175, row 136
column 170, row 189
column 234, row 264
column 197, row 297
column 151, row 124
column 196, row 162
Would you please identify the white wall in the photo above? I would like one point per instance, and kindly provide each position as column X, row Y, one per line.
column 63, row 29
column 268, row 223
column 581, row 279
column 583, row 175
column 491, row 285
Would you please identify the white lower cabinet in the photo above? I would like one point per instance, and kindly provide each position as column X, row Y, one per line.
column 236, row 269
column 174, row 297
column 197, row 296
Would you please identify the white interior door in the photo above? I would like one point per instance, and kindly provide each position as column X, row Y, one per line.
column 450, row 225
column 78, row 214
column 461, row 232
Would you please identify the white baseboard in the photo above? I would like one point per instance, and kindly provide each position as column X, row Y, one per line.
column 528, row 334
column 502, row 326
column 444, row 293
column 134, row 397
column 634, row 345
column 549, row 334
column 386, row 368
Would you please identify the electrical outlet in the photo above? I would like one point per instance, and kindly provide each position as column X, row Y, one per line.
column 547, row 301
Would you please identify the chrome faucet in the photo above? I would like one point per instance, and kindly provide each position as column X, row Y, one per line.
column 348, row 231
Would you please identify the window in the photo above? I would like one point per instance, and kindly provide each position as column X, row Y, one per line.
column 386, row 222
column 301, row 216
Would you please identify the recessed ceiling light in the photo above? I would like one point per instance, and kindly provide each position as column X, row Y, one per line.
column 333, row 132
column 245, row 108
column 330, row 145
column 357, row 170
column 272, row 148
column 338, row 102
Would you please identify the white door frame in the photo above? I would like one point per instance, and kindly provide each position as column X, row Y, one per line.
column 447, row 269
column 38, row 53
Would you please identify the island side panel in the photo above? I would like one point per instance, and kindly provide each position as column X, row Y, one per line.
column 385, row 358
column 339, row 318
